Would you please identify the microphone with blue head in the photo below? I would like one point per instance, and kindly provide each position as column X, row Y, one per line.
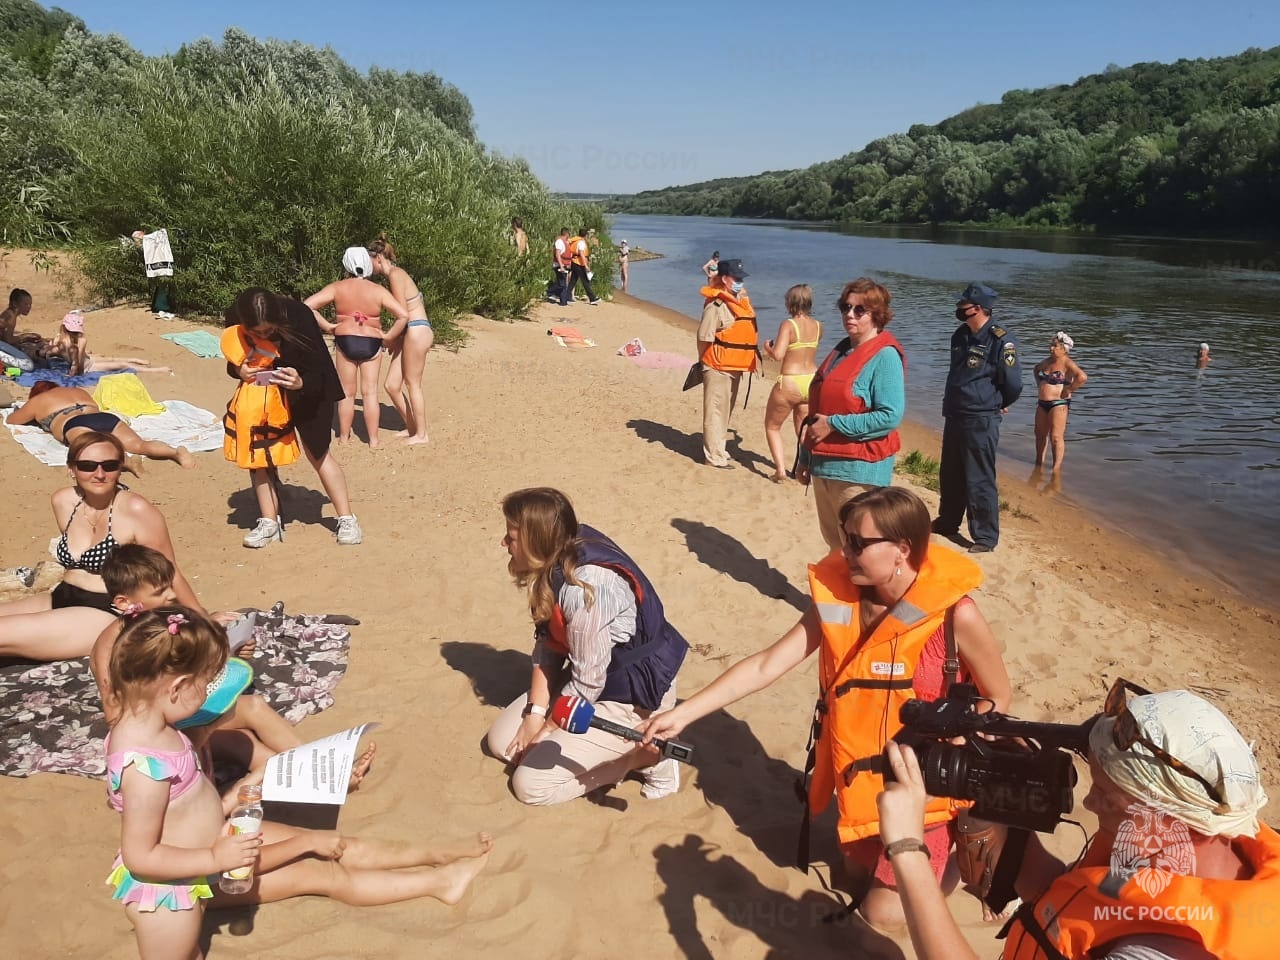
column 578, row 715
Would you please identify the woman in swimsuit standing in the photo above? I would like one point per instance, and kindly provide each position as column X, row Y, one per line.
column 1057, row 378
column 96, row 514
column 65, row 412
column 409, row 357
column 358, row 303
column 796, row 348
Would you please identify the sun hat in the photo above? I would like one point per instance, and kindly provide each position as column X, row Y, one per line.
column 220, row 696
column 73, row 322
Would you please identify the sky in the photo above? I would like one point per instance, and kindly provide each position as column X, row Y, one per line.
column 621, row 97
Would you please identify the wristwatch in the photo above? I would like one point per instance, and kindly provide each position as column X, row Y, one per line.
column 537, row 709
column 909, row 845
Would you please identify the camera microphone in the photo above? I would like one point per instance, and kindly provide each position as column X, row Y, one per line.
column 577, row 715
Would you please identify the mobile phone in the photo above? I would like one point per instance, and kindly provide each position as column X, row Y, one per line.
column 264, row 378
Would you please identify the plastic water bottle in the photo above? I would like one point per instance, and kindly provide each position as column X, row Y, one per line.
column 246, row 818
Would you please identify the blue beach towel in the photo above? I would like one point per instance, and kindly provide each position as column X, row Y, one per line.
column 59, row 371
column 200, row 342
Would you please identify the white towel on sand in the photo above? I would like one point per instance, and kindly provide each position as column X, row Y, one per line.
column 157, row 255
column 181, row 425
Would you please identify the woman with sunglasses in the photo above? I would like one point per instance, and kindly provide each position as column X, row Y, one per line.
column 95, row 514
column 65, row 412
column 856, row 402
column 891, row 620
column 1180, row 867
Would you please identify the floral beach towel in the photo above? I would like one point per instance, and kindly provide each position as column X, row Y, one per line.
column 51, row 718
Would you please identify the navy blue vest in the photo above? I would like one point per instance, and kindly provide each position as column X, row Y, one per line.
column 642, row 669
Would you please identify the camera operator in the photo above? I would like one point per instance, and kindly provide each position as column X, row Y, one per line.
column 1180, row 868
column 879, row 619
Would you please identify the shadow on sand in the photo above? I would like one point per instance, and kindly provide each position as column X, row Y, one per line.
column 719, row 551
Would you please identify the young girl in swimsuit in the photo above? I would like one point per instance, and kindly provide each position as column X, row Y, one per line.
column 1057, row 378
column 71, row 344
column 796, row 348
column 358, row 303
column 408, row 358
column 173, row 843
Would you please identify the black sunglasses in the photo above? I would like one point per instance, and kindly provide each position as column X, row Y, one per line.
column 858, row 310
column 856, row 544
column 91, row 466
column 1127, row 732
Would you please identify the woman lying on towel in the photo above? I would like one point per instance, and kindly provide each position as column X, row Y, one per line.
column 96, row 514
column 71, row 345
column 65, row 412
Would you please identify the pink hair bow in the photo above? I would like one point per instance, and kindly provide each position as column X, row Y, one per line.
column 175, row 621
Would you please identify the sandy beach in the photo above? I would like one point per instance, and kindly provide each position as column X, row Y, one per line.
column 444, row 639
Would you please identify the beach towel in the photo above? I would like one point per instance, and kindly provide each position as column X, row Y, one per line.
column 157, row 255
column 123, row 393
column 181, row 425
column 569, row 337
column 59, row 373
column 632, row 348
column 657, row 360
column 200, row 342
column 51, row 718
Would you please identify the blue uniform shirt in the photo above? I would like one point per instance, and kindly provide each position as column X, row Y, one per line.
column 985, row 375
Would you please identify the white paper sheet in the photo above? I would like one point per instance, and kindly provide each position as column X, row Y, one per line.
column 316, row 772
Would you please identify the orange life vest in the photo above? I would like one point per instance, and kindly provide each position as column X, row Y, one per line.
column 1232, row 919
column 734, row 348
column 258, row 431
column 831, row 394
column 580, row 257
column 864, row 683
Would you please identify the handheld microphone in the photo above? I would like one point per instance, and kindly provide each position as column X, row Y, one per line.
column 577, row 715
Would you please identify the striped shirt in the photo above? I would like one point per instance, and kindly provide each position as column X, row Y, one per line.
column 592, row 631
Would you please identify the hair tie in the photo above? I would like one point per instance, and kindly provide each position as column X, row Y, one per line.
column 132, row 609
column 175, row 620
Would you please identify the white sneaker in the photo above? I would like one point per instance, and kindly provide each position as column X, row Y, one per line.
column 660, row 780
column 349, row 532
column 267, row 531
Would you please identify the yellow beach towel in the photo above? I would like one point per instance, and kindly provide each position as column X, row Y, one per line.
column 124, row 393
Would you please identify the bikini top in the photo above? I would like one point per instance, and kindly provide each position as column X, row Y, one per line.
column 798, row 344
column 93, row 558
column 180, row 767
column 45, row 423
column 1054, row 377
column 358, row 317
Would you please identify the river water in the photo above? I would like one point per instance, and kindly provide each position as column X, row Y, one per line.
column 1185, row 460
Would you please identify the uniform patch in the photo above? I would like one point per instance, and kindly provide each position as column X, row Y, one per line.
column 884, row 668
column 1010, row 354
column 972, row 362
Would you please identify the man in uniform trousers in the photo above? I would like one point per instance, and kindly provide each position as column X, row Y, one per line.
column 983, row 380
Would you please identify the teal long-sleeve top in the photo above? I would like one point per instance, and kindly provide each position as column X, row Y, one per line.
column 882, row 386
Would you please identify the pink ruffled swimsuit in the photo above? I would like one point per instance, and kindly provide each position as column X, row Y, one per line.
column 182, row 769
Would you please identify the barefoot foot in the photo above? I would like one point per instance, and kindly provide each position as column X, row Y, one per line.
column 411, row 441
column 185, row 459
column 467, row 848
column 361, row 767
column 456, row 877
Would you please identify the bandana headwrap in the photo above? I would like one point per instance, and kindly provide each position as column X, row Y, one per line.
column 1197, row 733
column 357, row 262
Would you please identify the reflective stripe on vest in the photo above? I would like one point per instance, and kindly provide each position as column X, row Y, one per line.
column 831, row 394
column 1232, row 919
column 865, row 681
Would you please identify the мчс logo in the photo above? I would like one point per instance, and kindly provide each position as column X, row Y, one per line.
column 1152, row 848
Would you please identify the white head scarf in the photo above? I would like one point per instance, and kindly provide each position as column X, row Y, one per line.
column 357, row 262
column 1197, row 733
column 1067, row 342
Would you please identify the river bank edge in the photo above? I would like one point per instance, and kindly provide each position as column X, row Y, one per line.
column 1112, row 564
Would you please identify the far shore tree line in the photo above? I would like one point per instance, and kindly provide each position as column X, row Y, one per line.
column 263, row 160
column 1183, row 147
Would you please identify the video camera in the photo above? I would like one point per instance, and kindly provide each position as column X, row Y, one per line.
column 1025, row 784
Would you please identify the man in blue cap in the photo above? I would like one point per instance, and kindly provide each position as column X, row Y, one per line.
column 983, row 380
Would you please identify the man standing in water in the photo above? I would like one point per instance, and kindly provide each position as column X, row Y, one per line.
column 727, row 341
column 983, row 380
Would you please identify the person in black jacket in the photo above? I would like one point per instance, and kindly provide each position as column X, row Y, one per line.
column 312, row 390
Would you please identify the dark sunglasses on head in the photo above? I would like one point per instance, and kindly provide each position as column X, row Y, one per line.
column 91, row 466
column 857, row 309
column 1126, row 732
column 856, row 544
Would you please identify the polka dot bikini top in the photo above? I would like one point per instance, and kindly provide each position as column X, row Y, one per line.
column 92, row 560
